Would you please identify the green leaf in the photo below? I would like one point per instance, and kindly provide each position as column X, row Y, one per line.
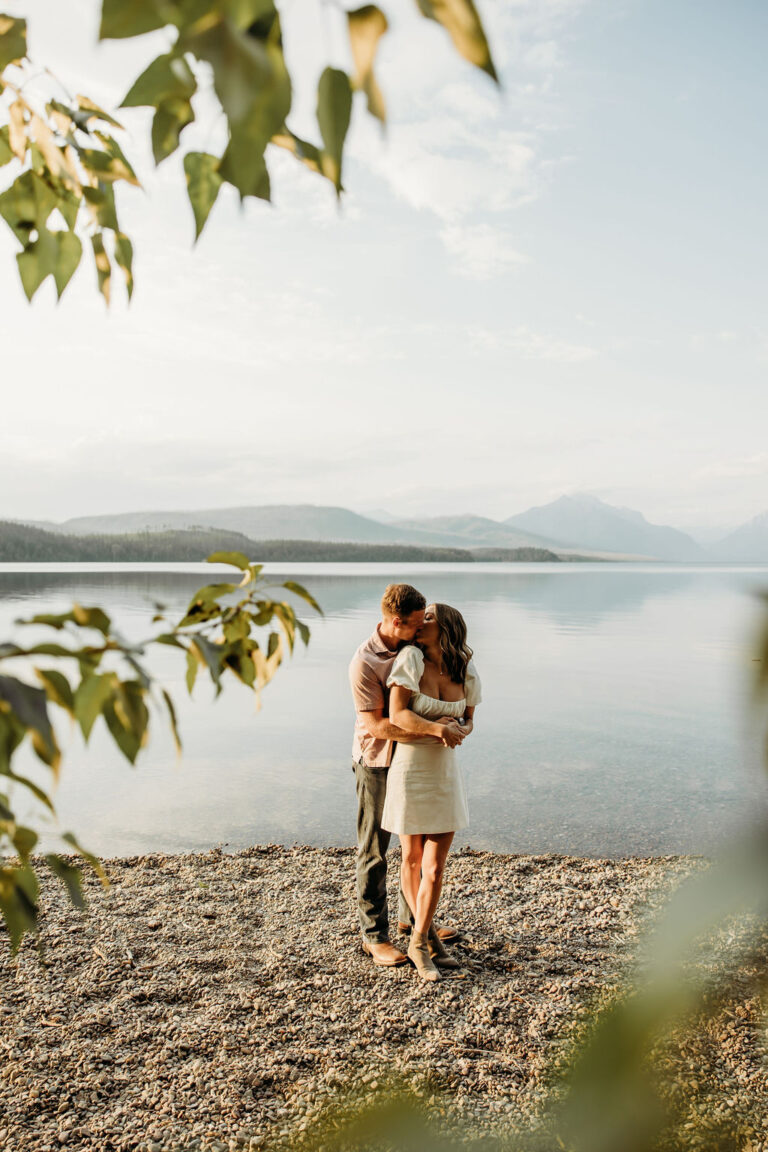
column 124, row 259
column 170, row 639
column 30, row 706
column 249, row 76
column 54, row 254
column 127, row 718
column 210, row 593
column 366, row 27
column 94, row 861
column 172, row 117
column 193, row 663
column 51, row 650
column 12, row 733
column 27, row 204
column 116, row 152
column 461, row 21
column 300, row 591
column 18, row 902
column 57, row 688
column 203, row 183
column 120, row 19
column 92, row 618
column 13, row 40
column 70, row 876
column 168, row 77
column 38, row 792
column 82, row 115
column 101, row 201
column 236, row 559
column 334, row 108
column 252, row 83
column 51, row 620
column 69, row 206
column 109, row 164
column 212, row 658
column 241, row 663
column 308, row 154
column 173, row 720
column 259, row 18
column 237, row 628
column 37, row 261
column 91, row 111
column 90, row 697
column 24, row 840
column 5, row 148
column 103, row 267
column 69, row 251
column 243, row 164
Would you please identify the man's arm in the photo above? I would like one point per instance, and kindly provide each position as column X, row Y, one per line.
column 447, row 730
column 378, row 725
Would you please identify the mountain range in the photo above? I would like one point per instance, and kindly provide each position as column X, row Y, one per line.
column 579, row 524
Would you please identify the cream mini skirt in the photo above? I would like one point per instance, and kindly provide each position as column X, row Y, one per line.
column 425, row 791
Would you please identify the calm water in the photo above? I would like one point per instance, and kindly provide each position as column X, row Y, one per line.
column 614, row 718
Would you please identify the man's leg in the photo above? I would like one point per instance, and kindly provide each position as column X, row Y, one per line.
column 372, row 844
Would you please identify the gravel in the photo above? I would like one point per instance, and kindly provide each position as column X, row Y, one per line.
column 218, row 1001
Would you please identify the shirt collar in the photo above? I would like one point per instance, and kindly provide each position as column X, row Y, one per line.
column 377, row 645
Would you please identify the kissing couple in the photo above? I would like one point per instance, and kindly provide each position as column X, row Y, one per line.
column 415, row 690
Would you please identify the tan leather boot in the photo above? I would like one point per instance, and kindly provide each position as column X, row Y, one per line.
column 440, row 955
column 418, row 952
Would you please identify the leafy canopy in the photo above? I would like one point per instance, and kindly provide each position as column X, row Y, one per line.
column 68, row 159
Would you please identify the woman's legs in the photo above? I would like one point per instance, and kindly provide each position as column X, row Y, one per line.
column 434, row 852
column 412, row 848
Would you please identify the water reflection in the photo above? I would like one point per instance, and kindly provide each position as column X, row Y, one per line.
column 612, row 719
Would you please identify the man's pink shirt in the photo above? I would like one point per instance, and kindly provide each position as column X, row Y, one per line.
column 368, row 672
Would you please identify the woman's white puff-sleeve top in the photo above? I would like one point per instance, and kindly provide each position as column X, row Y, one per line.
column 408, row 668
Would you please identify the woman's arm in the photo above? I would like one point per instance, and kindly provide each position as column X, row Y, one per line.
column 468, row 720
column 448, row 732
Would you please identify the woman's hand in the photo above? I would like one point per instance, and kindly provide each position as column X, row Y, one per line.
column 467, row 724
column 451, row 732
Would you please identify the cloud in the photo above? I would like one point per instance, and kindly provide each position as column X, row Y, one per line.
column 531, row 345
column 755, row 465
column 480, row 250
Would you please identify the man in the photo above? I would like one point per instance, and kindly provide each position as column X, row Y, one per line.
column 402, row 614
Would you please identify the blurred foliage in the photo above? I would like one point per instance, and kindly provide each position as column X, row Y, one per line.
column 68, row 156
column 91, row 673
column 68, row 163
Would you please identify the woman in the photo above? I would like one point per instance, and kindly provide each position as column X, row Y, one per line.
column 426, row 801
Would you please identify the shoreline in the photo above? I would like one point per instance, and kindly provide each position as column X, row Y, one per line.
column 220, row 1001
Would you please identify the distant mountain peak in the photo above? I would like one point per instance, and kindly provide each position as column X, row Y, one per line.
column 585, row 521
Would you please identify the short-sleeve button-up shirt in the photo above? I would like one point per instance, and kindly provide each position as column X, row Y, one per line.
column 368, row 672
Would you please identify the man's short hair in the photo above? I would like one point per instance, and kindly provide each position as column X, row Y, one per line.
column 401, row 600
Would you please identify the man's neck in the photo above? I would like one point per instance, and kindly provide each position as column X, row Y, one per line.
column 390, row 642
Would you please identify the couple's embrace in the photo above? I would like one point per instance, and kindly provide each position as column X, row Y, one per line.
column 415, row 690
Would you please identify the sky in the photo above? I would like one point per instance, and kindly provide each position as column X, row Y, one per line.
column 554, row 288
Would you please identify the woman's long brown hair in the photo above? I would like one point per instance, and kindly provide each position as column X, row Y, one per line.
column 453, row 642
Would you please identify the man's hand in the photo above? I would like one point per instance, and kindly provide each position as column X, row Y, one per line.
column 451, row 733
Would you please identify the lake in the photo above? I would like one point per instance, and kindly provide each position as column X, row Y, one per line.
column 614, row 719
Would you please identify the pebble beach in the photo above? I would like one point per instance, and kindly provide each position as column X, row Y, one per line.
column 221, row 1001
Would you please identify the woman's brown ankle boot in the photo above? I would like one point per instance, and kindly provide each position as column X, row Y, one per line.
column 418, row 952
column 439, row 953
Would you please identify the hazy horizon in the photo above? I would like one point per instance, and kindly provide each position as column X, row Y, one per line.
column 703, row 533
column 559, row 288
